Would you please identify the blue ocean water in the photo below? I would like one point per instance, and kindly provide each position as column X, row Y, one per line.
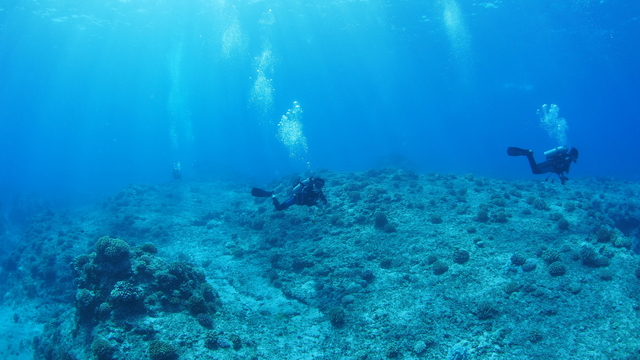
column 98, row 94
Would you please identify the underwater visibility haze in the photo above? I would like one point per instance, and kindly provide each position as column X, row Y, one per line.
column 405, row 107
column 98, row 94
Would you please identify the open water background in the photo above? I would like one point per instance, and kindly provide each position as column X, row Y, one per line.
column 98, row 94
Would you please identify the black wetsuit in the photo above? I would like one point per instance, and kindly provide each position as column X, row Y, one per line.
column 307, row 192
column 558, row 164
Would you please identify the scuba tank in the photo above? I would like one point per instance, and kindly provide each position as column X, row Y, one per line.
column 560, row 150
column 301, row 184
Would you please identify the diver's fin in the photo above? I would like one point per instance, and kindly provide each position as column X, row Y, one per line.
column 514, row 151
column 261, row 193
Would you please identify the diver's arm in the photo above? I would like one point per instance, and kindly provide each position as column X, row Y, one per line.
column 323, row 198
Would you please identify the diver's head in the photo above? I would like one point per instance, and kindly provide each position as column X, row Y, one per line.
column 573, row 153
column 319, row 182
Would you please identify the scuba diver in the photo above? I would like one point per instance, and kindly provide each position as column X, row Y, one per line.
column 305, row 192
column 177, row 175
column 558, row 160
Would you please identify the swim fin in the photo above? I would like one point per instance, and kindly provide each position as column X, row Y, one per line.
column 514, row 151
column 261, row 193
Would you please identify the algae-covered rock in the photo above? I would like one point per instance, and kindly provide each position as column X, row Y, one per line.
column 112, row 250
column 557, row 269
column 160, row 350
column 460, row 256
column 440, row 267
column 517, row 259
column 336, row 316
column 102, row 349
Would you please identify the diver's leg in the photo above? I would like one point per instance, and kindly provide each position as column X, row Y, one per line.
column 279, row 207
column 514, row 151
column 544, row 167
column 276, row 204
column 535, row 168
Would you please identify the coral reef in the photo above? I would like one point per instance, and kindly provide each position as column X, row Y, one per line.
column 160, row 350
column 131, row 282
column 398, row 265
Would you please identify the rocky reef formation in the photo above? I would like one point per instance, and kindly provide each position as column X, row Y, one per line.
column 398, row 265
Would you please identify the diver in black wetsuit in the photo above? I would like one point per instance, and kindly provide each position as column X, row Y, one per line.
column 306, row 192
column 558, row 160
